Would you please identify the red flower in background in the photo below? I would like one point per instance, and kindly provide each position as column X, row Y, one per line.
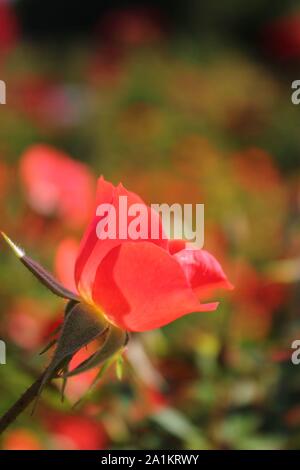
column 76, row 433
column 257, row 299
column 9, row 29
column 21, row 439
column 26, row 323
column 255, row 288
column 66, row 432
column 149, row 402
column 49, row 103
column 65, row 258
column 106, row 67
column 141, row 285
column 4, row 179
column 132, row 26
column 282, row 37
column 56, row 185
column 80, row 384
column 255, row 170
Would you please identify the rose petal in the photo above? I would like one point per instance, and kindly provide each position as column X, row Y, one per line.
column 140, row 286
column 93, row 250
column 104, row 195
column 203, row 272
column 176, row 245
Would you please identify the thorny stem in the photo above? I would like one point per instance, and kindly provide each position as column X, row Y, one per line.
column 24, row 401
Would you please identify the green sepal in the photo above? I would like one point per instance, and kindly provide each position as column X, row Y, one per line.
column 114, row 342
column 80, row 327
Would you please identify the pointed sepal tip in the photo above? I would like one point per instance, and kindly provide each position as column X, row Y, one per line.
column 16, row 249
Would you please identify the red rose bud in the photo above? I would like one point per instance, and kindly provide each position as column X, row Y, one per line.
column 125, row 283
column 142, row 284
column 282, row 37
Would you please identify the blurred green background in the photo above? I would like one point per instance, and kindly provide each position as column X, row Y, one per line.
column 182, row 102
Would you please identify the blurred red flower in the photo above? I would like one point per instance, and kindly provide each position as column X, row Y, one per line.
column 21, row 439
column 56, row 185
column 9, row 28
column 106, row 67
column 141, row 285
column 292, row 416
column 78, row 385
column 257, row 299
column 4, row 179
column 51, row 104
column 132, row 26
column 26, row 323
column 255, row 170
column 253, row 287
column 65, row 258
column 282, row 37
column 149, row 402
column 76, row 432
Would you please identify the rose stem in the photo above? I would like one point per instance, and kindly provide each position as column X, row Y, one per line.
column 21, row 404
